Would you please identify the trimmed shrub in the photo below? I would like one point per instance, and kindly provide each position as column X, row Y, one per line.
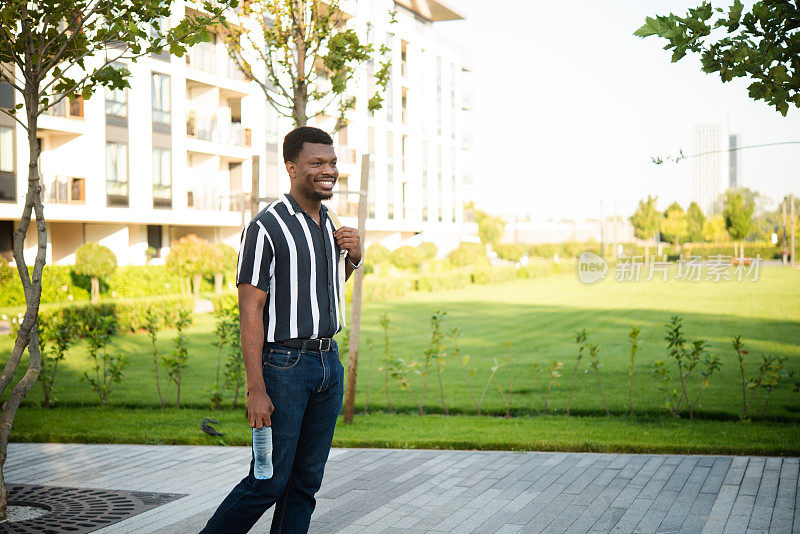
column 225, row 301
column 428, row 250
column 6, row 271
column 131, row 315
column 377, row 253
column 406, row 257
column 193, row 257
column 95, row 262
column 510, row 252
column 493, row 275
column 468, row 254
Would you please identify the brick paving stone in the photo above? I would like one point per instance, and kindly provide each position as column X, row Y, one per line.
column 447, row 491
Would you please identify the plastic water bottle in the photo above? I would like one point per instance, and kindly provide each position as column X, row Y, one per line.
column 262, row 452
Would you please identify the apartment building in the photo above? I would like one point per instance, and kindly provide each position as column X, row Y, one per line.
column 177, row 152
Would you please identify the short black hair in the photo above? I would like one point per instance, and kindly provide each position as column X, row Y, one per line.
column 293, row 142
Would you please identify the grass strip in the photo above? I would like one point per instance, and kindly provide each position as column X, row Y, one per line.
column 551, row 433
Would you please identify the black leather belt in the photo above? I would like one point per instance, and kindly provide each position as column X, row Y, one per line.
column 323, row 343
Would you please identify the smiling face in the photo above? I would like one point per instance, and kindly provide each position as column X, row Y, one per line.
column 314, row 173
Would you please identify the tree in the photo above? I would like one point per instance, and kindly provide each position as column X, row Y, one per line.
column 56, row 49
column 646, row 221
column 762, row 45
column 738, row 216
column 695, row 220
column 97, row 262
column 192, row 257
column 490, row 229
column 674, row 224
column 303, row 55
column 714, row 229
column 224, row 262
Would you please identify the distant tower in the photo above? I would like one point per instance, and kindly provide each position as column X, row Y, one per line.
column 734, row 161
column 707, row 167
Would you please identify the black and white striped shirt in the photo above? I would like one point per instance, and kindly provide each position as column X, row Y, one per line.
column 285, row 253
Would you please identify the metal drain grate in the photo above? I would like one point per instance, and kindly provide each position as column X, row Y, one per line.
column 79, row 510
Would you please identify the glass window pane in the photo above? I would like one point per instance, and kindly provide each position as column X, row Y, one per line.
column 166, row 171
column 111, row 161
column 122, row 162
column 6, row 149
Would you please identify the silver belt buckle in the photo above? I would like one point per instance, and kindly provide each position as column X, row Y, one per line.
column 321, row 345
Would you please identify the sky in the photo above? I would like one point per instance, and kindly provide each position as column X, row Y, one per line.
column 569, row 108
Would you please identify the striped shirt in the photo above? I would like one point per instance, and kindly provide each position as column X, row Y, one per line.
column 285, row 253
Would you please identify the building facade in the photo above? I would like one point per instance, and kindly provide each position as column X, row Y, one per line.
column 177, row 152
column 716, row 166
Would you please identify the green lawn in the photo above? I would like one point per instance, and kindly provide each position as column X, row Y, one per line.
column 551, row 433
column 539, row 317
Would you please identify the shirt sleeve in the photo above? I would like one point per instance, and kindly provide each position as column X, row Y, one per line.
column 255, row 257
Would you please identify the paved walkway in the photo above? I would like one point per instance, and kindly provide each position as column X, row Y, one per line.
column 410, row 491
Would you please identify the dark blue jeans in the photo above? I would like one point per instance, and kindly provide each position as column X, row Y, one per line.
column 306, row 390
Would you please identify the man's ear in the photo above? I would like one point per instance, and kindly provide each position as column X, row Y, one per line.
column 290, row 169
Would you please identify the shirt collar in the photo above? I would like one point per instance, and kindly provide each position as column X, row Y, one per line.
column 295, row 209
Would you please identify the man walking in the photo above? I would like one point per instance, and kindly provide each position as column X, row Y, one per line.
column 290, row 307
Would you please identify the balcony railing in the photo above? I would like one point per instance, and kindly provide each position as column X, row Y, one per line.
column 345, row 154
column 207, row 58
column 208, row 128
column 209, row 198
column 64, row 190
column 65, row 108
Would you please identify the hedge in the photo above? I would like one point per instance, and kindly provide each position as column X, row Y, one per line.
column 59, row 283
column 130, row 313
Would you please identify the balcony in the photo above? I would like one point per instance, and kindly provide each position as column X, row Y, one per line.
column 210, row 199
column 345, row 155
column 66, row 108
column 208, row 128
column 64, row 190
column 207, row 58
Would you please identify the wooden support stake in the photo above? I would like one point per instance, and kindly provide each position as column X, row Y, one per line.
column 358, row 281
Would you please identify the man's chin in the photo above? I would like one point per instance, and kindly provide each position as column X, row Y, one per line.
column 323, row 195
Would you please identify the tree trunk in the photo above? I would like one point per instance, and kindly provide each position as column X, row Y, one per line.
column 95, row 290
column 300, row 91
column 218, row 283
column 27, row 336
column 196, row 279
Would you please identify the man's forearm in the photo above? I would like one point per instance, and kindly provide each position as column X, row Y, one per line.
column 252, row 347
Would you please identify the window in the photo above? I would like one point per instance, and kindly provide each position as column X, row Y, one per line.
column 438, row 95
column 154, row 238
column 162, row 178
column 161, row 98
column 424, row 181
column 371, row 180
column 370, row 81
column 455, row 188
column 116, row 173
column 117, row 102
column 77, row 190
column 6, row 149
column 440, row 182
column 390, row 96
column 6, row 95
column 7, row 239
column 8, row 178
column 452, row 100
column 390, row 174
